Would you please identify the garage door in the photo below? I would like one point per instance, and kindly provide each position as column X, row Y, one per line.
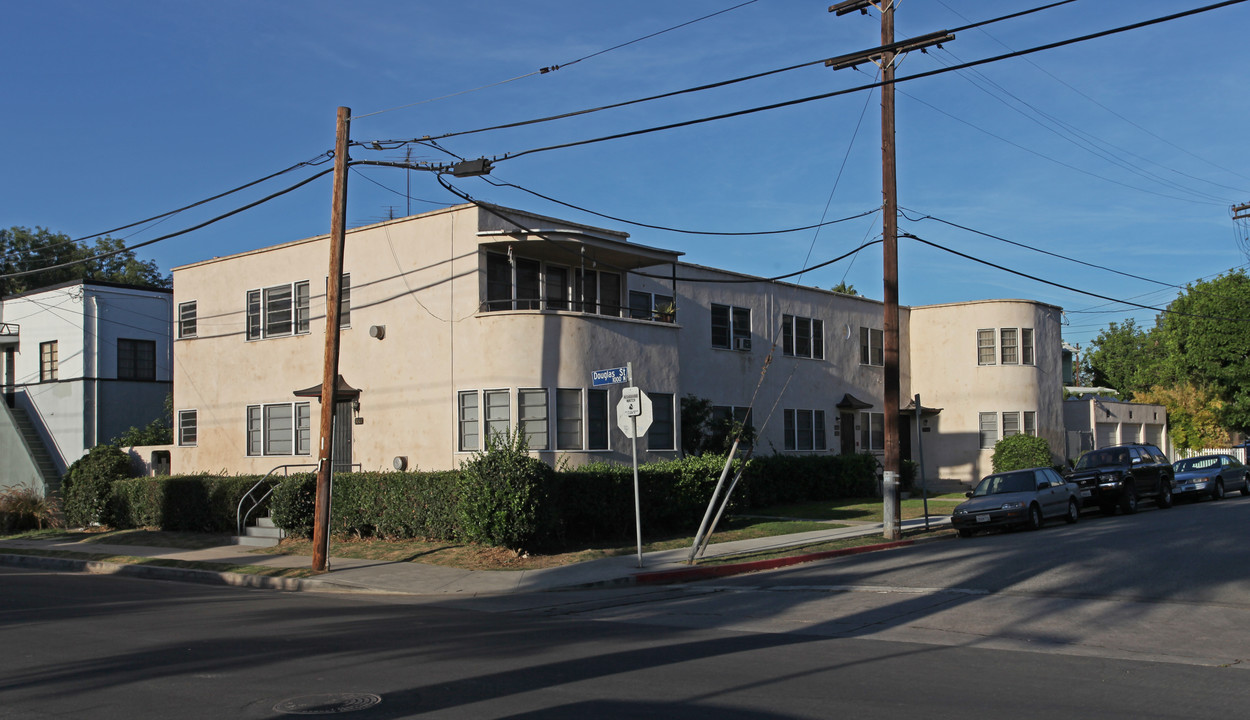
column 1154, row 435
column 1130, row 432
column 1105, row 434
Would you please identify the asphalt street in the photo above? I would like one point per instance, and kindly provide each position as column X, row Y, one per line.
column 1120, row 617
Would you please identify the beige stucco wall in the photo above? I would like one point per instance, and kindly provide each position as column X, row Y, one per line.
column 945, row 372
column 420, row 278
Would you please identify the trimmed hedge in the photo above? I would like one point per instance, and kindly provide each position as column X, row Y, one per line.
column 514, row 501
column 190, row 503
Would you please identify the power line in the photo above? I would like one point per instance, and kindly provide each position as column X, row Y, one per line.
column 553, row 68
column 684, row 231
column 391, row 144
column 318, row 160
column 193, row 228
column 1039, row 250
column 495, row 211
column 906, row 78
column 1066, row 287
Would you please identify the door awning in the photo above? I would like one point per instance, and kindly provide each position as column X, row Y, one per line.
column 910, row 409
column 342, row 391
column 850, row 402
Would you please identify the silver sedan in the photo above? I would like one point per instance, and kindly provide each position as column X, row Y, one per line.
column 1209, row 475
column 1017, row 498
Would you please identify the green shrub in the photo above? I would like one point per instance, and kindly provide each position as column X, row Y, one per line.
column 87, row 486
column 500, row 493
column 1016, row 452
column 293, row 502
column 187, row 503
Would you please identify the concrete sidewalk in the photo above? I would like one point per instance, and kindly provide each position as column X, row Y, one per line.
column 352, row 575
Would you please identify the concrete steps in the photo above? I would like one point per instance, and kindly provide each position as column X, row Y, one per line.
column 38, row 451
column 263, row 534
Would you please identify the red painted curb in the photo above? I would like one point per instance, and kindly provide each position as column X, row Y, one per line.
column 663, row 577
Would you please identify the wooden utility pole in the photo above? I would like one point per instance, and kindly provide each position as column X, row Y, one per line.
column 330, row 372
column 889, row 195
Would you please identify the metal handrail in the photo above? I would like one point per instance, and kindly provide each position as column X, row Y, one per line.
column 9, row 328
column 239, row 516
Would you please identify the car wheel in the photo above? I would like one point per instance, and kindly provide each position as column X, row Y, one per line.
column 1074, row 513
column 965, row 532
column 1128, row 500
column 1217, row 492
column 1035, row 517
column 1164, row 499
column 1245, row 486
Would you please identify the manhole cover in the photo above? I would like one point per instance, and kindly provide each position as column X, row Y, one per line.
column 327, row 704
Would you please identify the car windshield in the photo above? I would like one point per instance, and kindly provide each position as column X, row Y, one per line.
column 1101, row 458
column 1202, row 463
column 1006, row 483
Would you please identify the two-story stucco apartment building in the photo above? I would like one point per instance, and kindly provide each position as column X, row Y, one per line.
column 84, row 361
column 475, row 319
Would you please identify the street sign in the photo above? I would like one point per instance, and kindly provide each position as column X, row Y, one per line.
column 633, row 413
column 611, row 376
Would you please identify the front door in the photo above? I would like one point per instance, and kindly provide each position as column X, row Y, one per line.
column 847, row 426
column 342, row 437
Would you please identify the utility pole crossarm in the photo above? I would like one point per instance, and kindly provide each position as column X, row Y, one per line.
column 876, row 54
column 1241, row 212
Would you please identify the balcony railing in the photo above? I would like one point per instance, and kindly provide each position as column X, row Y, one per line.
column 587, row 307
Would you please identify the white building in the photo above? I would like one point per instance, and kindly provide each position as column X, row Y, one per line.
column 83, row 362
column 469, row 320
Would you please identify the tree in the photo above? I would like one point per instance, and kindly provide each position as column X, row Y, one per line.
column 1193, row 414
column 844, row 288
column 22, row 249
column 1205, row 340
column 1123, row 357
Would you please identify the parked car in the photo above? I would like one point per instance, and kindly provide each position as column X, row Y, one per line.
column 1211, row 475
column 1119, row 475
column 1017, row 498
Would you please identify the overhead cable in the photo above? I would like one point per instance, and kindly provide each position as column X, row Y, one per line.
column 193, row 228
column 553, row 68
column 905, row 78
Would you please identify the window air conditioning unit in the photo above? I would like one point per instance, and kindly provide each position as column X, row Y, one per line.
column 742, row 343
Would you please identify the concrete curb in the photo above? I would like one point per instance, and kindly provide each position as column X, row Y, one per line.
column 157, row 572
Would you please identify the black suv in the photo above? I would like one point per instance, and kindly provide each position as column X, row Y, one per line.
column 1119, row 475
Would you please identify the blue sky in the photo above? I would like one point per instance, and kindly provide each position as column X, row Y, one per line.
column 1123, row 152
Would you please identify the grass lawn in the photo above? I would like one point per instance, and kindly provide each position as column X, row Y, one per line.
column 860, row 509
column 767, row 522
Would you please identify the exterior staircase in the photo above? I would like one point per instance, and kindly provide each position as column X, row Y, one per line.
column 38, row 451
column 263, row 534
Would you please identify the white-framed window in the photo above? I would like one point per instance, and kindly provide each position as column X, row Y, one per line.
column 188, row 427
column 989, row 430
column 871, row 431
column 987, row 348
column 802, row 337
column 597, row 419
column 49, row 361
column 731, row 327
column 1009, row 346
column 136, row 359
column 187, row 319
column 597, row 292
column 469, row 422
column 662, row 435
column 871, row 346
column 1030, row 422
column 1026, row 346
column 279, row 429
column 521, row 283
column 1011, row 424
column 532, row 417
column 496, row 405
column 278, row 311
column 569, row 419
column 804, row 429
